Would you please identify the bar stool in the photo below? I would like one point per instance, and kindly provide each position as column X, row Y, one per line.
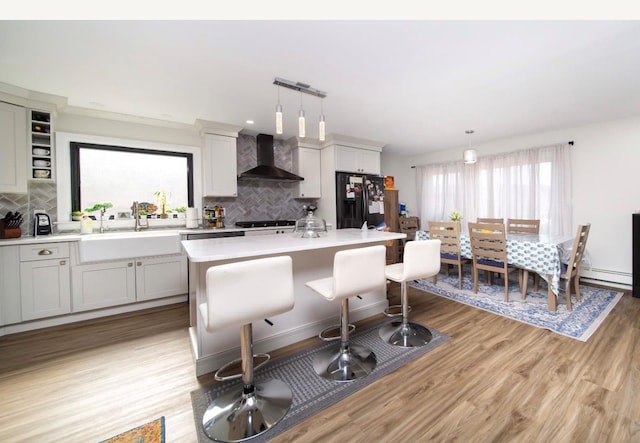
column 355, row 271
column 238, row 294
column 421, row 260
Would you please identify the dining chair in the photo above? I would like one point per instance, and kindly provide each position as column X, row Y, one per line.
column 449, row 235
column 525, row 226
column 409, row 226
column 489, row 220
column 571, row 272
column 489, row 253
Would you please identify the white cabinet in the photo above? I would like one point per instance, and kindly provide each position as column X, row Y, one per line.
column 220, row 166
column 100, row 285
column 44, row 280
column 104, row 284
column 357, row 160
column 13, row 149
column 9, row 285
column 161, row 277
column 306, row 164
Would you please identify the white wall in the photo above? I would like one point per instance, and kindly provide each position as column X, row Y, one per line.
column 606, row 185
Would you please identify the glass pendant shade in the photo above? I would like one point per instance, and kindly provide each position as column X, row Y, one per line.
column 279, row 128
column 470, row 156
column 321, row 128
column 301, row 125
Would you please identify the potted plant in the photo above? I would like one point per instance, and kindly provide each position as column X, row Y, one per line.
column 77, row 215
column 102, row 207
column 162, row 200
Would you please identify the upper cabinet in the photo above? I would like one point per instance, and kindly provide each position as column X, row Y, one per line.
column 306, row 164
column 219, row 159
column 13, row 149
column 357, row 160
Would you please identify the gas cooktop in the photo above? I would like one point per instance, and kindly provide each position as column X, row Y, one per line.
column 265, row 223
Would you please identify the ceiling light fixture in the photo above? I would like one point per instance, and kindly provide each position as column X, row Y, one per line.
column 302, row 88
column 321, row 124
column 469, row 155
column 301, row 124
column 279, row 128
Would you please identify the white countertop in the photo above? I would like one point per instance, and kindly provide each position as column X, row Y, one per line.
column 214, row 249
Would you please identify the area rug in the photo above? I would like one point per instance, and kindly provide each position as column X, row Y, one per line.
column 152, row 432
column 312, row 393
column 580, row 323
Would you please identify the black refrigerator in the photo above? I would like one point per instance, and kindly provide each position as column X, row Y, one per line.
column 359, row 198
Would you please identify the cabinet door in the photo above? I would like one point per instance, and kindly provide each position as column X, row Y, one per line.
column 306, row 163
column 220, row 166
column 103, row 284
column 346, row 159
column 9, row 285
column 368, row 161
column 161, row 277
column 13, row 149
column 45, row 288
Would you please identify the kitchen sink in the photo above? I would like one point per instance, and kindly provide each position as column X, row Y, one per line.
column 129, row 244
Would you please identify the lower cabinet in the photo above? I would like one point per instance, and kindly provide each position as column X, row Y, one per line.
column 44, row 280
column 105, row 284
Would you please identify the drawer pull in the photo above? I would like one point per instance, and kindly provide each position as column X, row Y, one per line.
column 139, row 263
column 45, row 252
column 130, row 264
column 63, row 262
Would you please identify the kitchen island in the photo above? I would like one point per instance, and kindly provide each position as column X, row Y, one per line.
column 312, row 259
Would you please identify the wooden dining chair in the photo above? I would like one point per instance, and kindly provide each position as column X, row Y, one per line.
column 489, row 252
column 409, row 226
column 489, row 220
column 571, row 273
column 449, row 235
column 523, row 226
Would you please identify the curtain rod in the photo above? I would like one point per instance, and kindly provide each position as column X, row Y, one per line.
column 570, row 143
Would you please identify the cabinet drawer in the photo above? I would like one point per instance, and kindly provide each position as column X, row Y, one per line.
column 44, row 251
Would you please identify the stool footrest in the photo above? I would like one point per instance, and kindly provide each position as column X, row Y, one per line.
column 325, row 336
column 238, row 362
column 395, row 311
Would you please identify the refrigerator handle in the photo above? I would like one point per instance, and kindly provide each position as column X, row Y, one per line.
column 365, row 200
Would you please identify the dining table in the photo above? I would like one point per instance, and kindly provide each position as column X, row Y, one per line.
column 539, row 253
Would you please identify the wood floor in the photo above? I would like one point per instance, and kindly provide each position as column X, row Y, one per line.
column 495, row 380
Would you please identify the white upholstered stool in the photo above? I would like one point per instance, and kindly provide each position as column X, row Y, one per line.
column 421, row 260
column 237, row 295
column 355, row 271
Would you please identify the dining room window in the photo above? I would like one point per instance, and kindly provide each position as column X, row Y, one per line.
column 532, row 183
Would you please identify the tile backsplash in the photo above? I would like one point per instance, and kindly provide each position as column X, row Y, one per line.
column 40, row 195
column 261, row 199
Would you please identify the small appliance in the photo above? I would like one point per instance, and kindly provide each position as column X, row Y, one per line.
column 41, row 224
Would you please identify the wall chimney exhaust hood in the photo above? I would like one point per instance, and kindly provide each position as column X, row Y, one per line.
column 266, row 169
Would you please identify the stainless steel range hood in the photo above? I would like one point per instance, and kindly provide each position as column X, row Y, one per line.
column 266, row 169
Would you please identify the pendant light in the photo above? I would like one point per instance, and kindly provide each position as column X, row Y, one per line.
column 469, row 155
column 321, row 124
column 279, row 128
column 301, row 123
column 302, row 88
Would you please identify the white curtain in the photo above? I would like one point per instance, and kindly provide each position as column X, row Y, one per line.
column 533, row 183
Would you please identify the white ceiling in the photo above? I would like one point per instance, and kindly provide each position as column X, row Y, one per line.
column 414, row 85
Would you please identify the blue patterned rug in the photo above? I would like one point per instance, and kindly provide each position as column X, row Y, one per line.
column 580, row 323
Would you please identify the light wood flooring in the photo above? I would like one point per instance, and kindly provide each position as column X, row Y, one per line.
column 495, row 380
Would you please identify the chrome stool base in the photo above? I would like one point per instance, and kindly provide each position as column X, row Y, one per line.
column 338, row 364
column 408, row 335
column 233, row 418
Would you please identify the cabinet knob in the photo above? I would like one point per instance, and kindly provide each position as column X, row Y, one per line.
column 63, row 262
column 45, row 252
column 130, row 264
column 139, row 263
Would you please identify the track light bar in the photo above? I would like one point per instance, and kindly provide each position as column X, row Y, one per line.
column 297, row 86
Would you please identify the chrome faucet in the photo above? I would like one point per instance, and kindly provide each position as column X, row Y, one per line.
column 136, row 216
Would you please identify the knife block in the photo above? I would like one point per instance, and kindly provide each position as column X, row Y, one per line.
column 9, row 232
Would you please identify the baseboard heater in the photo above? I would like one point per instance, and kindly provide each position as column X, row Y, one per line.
column 608, row 277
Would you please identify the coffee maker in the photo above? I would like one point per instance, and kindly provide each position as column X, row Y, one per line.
column 41, row 224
